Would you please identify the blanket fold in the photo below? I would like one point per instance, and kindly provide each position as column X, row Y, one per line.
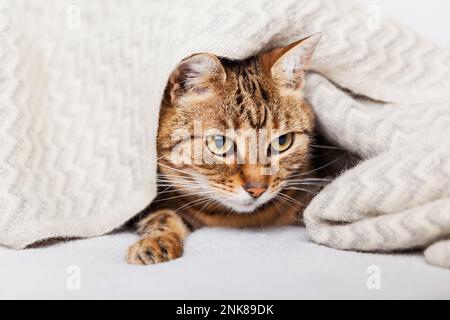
column 81, row 83
column 399, row 196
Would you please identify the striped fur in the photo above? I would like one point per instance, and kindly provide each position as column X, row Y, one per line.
column 251, row 94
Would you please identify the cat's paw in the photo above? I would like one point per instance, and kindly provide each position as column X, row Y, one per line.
column 155, row 249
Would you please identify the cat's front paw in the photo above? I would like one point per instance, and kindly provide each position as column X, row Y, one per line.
column 155, row 249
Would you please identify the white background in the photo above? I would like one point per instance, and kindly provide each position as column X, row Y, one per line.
column 430, row 18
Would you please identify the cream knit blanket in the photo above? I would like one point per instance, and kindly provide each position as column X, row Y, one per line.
column 81, row 82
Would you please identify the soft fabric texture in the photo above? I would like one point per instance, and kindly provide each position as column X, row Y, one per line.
column 279, row 263
column 399, row 197
column 81, row 82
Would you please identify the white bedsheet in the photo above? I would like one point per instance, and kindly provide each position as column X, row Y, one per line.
column 218, row 263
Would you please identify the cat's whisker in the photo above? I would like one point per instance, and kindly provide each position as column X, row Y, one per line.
column 172, row 168
column 185, row 195
column 182, row 188
column 162, row 179
column 300, row 189
column 291, row 198
column 295, row 202
column 294, row 214
column 192, row 203
column 321, row 146
column 311, row 179
column 317, row 169
column 173, row 180
column 317, row 184
column 177, row 180
column 277, row 209
column 281, row 195
column 174, row 184
column 179, row 183
column 167, row 176
column 205, row 207
column 283, row 201
column 167, row 187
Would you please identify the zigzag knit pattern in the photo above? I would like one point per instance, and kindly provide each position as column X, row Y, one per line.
column 399, row 197
column 81, row 82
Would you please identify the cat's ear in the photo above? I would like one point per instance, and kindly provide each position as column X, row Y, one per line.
column 196, row 76
column 289, row 64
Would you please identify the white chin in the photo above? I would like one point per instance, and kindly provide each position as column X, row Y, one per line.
column 240, row 207
column 247, row 204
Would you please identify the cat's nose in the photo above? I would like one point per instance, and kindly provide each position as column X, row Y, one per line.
column 255, row 190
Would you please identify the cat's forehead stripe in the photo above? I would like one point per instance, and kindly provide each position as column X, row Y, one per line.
column 250, row 96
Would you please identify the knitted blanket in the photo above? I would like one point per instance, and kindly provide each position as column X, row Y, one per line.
column 80, row 87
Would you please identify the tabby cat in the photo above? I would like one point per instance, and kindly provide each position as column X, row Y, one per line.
column 219, row 186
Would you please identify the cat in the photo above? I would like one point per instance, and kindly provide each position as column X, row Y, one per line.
column 219, row 186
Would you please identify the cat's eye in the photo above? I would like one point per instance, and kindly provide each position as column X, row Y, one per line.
column 219, row 145
column 281, row 144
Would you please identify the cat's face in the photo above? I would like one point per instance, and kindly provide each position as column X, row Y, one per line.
column 236, row 131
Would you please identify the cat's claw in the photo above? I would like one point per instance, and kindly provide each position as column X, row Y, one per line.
column 156, row 249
